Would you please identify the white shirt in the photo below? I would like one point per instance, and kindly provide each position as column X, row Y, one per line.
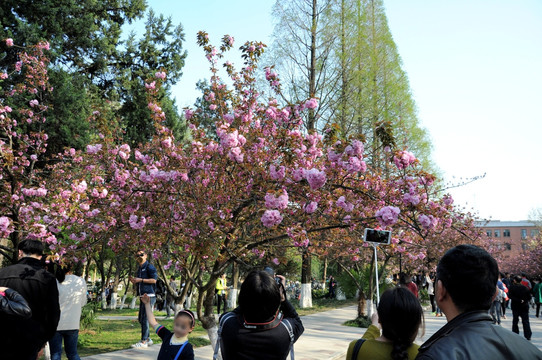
column 72, row 296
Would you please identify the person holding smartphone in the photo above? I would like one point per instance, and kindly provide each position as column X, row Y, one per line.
column 265, row 325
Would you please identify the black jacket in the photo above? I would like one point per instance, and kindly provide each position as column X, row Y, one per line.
column 12, row 303
column 473, row 336
column 239, row 343
column 23, row 337
column 520, row 296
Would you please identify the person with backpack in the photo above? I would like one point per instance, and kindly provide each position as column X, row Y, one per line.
column 145, row 283
column 400, row 315
column 265, row 326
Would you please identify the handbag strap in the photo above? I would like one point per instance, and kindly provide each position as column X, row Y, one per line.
column 357, row 348
column 181, row 350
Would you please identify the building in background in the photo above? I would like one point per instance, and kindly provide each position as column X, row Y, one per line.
column 512, row 237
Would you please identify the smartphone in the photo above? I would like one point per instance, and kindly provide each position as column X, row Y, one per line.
column 377, row 236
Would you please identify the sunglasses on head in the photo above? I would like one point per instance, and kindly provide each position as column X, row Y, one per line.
column 140, row 255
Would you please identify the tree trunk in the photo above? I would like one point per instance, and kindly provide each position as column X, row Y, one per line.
column 234, row 292
column 311, row 123
column 116, row 281
column 306, row 294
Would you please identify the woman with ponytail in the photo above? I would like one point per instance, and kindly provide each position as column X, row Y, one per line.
column 400, row 316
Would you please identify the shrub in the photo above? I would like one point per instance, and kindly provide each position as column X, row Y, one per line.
column 362, row 322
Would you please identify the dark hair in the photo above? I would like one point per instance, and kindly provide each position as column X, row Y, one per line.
column 401, row 316
column 31, row 247
column 188, row 314
column 259, row 298
column 469, row 275
column 518, row 279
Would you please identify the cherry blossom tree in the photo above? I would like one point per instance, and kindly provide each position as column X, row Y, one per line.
column 23, row 194
column 250, row 185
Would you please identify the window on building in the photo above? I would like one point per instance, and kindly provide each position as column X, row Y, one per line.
column 524, row 233
column 489, row 233
column 506, row 233
column 523, row 246
column 534, row 232
column 507, row 246
column 497, row 233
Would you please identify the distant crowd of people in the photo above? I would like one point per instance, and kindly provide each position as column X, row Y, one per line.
column 43, row 304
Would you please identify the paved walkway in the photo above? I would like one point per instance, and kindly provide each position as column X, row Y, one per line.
column 324, row 337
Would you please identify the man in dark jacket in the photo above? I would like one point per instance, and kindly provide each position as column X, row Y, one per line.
column 145, row 283
column 22, row 339
column 520, row 296
column 465, row 287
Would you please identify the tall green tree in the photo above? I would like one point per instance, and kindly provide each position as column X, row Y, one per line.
column 375, row 98
column 301, row 50
column 160, row 49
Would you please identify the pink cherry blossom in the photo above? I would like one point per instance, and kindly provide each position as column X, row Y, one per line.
column 341, row 202
column 403, row 159
column 4, row 224
column 315, row 177
column 311, row 104
column 388, row 215
column 137, row 223
column 276, row 202
column 9, row 42
column 276, row 174
column 271, row 218
column 236, row 154
column 188, row 114
column 93, row 149
column 311, row 207
column 34, row 102
column 160, row 75
column 409, row 199
column 3, row 76
column 167, row 142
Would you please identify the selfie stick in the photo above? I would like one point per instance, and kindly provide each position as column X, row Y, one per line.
column 376, row 272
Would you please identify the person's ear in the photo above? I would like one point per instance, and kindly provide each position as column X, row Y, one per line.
column 20, row 254
column 441, row 292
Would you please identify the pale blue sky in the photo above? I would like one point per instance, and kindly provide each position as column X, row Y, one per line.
column 475, row 72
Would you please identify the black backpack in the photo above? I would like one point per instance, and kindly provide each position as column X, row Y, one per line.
column 160, row 288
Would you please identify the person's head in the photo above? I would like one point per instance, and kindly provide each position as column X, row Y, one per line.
column 468, row 275
column 401, row 315
column 517, row 279
column 404, row 278
column 259, row 298
column 184, row 323
column 141, row 256
column 172, row 278
column 30, row 248
column 223, row 276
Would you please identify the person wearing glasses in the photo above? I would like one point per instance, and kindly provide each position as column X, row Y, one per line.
column 145, row 283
